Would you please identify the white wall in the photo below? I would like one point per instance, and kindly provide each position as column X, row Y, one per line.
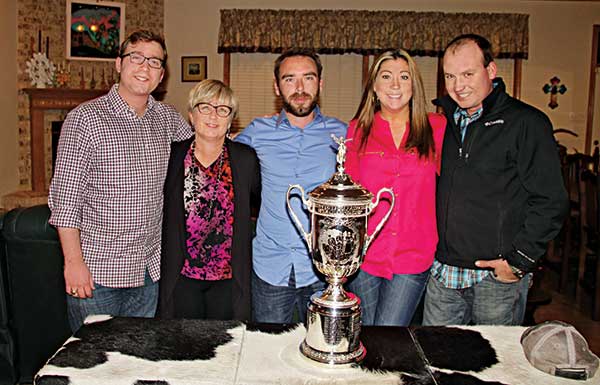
column 8, row 97
column 559, row 44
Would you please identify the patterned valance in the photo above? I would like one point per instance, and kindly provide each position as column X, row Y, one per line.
column 368, row 32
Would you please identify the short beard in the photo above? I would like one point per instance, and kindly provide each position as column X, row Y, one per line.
column 302, row 111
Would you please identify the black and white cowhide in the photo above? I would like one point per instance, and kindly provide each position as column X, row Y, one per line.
column 133, row 351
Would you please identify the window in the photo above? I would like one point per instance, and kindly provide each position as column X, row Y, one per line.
column 428, row 68
column 252, row 82
column 506, row 72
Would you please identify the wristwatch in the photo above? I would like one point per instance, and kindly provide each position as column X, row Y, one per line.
column 516, row 271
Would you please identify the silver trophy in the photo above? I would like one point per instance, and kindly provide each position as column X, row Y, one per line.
column 339, row 211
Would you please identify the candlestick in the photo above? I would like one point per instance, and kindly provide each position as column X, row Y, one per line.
column 40, row 40
column 103, row 83
column 82, row 80
column 93, row 80
column 48, row 47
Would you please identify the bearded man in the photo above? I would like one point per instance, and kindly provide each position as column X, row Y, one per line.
column 294, row 147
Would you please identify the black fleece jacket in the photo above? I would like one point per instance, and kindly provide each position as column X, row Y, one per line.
column 501, row 192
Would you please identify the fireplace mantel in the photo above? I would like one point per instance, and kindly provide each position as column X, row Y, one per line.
column 41, row 99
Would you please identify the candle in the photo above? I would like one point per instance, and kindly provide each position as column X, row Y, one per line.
column 40, row 40
column 48, row 46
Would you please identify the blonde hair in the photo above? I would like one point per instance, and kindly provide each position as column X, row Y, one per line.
column 210, row 89
column 420, row 136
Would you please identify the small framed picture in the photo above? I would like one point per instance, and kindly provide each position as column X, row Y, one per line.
column 193, row 68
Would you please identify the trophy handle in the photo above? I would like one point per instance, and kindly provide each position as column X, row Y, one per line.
column 385, row 218
column 296, row 220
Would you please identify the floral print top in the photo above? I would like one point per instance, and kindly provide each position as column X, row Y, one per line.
column 208, row 206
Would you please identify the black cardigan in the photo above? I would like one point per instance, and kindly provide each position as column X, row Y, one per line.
column 246, row 186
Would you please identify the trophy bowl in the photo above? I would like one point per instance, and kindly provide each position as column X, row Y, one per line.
column 339, row 211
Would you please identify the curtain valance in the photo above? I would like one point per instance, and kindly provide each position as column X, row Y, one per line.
column 368, row 32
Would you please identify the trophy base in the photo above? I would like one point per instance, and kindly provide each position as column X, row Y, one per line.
column 332, row 335
column 333, row 358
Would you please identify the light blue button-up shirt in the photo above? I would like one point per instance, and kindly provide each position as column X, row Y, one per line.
column 288, row 155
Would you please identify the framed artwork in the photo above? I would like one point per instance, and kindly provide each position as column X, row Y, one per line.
column 95, row 29
column 193, row 68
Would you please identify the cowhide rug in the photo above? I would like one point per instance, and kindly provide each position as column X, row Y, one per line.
column 134, row 351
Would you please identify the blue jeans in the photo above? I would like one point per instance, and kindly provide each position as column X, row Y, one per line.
column 521, row 303
column 490, row 302
column 276, row 304
column 388, row 302
column 126, row 302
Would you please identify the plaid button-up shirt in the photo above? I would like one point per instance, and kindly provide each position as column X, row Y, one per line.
column 108, row 183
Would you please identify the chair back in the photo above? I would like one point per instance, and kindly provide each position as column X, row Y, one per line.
column 36, row 298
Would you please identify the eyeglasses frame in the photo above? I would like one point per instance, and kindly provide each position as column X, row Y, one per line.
column 214, row 108
column 162, row 62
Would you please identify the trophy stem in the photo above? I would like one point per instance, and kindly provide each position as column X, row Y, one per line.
column 335, row 295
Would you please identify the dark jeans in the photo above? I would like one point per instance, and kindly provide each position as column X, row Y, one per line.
column 276, row 304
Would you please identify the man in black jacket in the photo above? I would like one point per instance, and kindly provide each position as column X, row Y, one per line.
column 500, row 197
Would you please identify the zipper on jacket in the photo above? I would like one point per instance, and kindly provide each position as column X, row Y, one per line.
column 500, row 227
column 469, row 143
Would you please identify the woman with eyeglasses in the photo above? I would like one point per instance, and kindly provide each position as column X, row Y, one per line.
column 207, row 230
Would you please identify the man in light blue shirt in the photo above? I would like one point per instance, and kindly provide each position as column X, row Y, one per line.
column 293, row 148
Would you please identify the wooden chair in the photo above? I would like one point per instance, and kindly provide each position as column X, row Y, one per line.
column 588, row 277
column 564, row 250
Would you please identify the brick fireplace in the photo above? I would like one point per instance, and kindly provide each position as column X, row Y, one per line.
column 41, row 102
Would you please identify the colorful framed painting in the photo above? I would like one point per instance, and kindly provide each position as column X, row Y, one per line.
column 95, row 29
column 193, row 68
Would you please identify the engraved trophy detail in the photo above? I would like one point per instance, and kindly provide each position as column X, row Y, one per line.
column 339, row 211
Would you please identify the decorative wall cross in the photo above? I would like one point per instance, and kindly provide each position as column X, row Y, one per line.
column 554, row 88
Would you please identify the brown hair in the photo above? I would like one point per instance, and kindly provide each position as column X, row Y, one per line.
column 298, row 52
column 420, row 136
column 145, row 36
column 484, row 45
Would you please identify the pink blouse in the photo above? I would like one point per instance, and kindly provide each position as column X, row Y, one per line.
column 208, row 203
column 407, row 242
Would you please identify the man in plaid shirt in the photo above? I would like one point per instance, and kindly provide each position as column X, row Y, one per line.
column 106, row 195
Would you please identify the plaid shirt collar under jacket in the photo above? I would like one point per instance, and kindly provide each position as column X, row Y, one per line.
column 462, row 120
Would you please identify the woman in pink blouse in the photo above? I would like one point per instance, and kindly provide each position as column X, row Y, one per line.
column 397, row 144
